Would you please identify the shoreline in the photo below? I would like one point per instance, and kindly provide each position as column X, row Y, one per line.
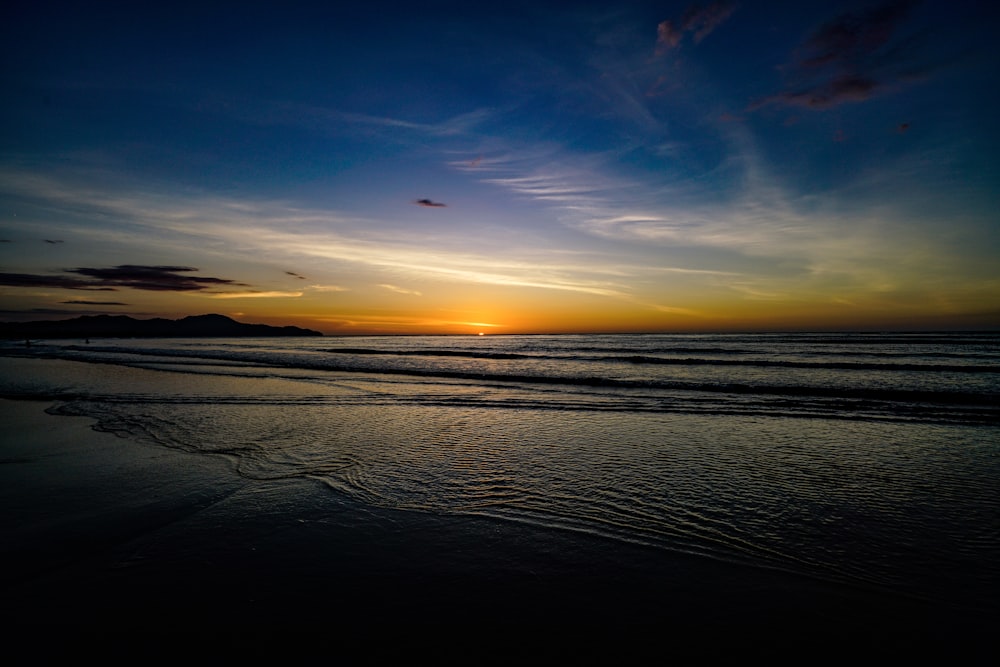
column 106, row 532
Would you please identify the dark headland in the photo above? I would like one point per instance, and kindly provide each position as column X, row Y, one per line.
column 123, row 326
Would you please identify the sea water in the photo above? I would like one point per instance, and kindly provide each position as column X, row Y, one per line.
column 866, row 459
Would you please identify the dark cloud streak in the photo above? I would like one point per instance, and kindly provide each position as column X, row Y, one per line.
column 851, row 38
column 149, row 278
column 82, row 302
column 64, row 282
column 849, row 59
column 153, row 278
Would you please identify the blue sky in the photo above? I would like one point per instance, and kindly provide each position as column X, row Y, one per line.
column 450, row 167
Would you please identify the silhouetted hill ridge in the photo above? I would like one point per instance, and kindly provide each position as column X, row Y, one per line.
column 123, row 326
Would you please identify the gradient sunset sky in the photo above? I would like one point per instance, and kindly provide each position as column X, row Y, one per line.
column 513, row 167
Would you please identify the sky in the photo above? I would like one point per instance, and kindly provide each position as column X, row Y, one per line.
column 516, row 167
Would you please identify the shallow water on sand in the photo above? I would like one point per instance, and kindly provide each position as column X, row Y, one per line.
column 878, row 474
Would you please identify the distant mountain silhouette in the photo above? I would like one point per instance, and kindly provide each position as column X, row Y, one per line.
column 122, row 326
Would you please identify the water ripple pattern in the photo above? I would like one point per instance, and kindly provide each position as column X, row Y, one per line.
column 861, row 458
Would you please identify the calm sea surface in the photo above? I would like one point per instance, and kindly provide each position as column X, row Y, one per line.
column 867, row 459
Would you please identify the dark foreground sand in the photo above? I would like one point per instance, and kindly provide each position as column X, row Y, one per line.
column 110, row 545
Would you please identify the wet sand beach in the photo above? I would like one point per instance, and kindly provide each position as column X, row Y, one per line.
column 109, row 538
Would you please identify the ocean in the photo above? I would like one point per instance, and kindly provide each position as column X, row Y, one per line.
column 865, row 460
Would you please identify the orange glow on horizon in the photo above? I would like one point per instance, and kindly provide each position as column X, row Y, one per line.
column 637, row 322
column 490, row 310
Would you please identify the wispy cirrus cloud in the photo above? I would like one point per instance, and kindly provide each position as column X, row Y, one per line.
column 673, row 310
column 549, row 187
column 349, row 321
column 751, row 239
column 558, row 179
column 400, row 290
column 293, row 233
column 328, row 120
column 254, row 295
